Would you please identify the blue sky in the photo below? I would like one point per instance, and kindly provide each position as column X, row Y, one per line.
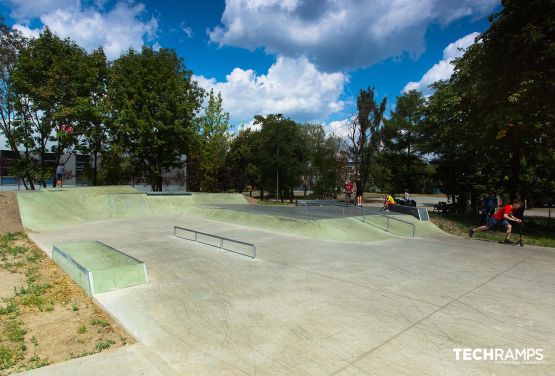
column 306, row 59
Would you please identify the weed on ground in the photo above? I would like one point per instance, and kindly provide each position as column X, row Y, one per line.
column 45, row 317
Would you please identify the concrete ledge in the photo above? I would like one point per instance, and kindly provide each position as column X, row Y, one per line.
column 97, row 267
column 419, row 213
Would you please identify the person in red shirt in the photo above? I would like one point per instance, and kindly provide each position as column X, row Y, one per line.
column 502, row 216
column 348, row 192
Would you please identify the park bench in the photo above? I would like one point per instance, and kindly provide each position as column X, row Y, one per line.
column 443, row 207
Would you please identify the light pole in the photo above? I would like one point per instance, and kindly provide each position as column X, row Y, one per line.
column 278, row 117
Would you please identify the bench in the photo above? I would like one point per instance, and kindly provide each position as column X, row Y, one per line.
column 443, row 207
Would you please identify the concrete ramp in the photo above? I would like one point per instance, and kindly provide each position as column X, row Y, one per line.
column 97, row 267
column 52, row 209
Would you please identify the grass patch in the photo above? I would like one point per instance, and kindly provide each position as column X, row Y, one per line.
column 14, row 331
column 100, row 322
column 103, row 345
column 13, row 267
column 36, row 362
column 34, row 295
column 536, row 232
column 10, row 307
column 45, row 289
column 7, row 357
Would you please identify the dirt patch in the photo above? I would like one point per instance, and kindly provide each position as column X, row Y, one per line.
column 10, row 221
column 47, row 318
column 9, row 281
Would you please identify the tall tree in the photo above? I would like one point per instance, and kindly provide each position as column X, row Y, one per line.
column 400, row 136
column 315, row 141
column 330, row 164
column 208, row 161
column 11, row 43
column 93, row 112
column 281, row 153
column 446, row 134
column 364, row 132
column 154, row 104
column 50, row 77
column 325, row 161
column 241, row 160
column 498, row 105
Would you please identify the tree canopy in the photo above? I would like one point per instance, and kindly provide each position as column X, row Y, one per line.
column 490, row 126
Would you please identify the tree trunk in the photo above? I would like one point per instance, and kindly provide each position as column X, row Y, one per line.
column 95, row 167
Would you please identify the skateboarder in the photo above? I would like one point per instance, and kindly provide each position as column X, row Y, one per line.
column 502, row 216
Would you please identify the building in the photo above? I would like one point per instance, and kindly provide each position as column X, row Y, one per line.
column 75, row 165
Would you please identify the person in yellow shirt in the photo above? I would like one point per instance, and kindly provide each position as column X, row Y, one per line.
column 388, row 201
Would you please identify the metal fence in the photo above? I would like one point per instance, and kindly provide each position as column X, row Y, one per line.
column 363, row 214
column 221, row 240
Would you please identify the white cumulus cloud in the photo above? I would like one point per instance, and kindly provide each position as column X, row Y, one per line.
column 292, row 87
column 339, row 128
column 443, row 69
column 27, row 32
column 339, row 34
column 23, row 10
column 116, row 30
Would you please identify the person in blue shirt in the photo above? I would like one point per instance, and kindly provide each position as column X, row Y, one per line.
column 488, row 207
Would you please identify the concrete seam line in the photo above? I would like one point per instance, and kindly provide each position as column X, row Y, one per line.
column 351, row 363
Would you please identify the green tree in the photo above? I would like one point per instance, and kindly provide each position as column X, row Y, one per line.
column 281, row 154
column 93, row 113
column 154, row 103
column 51, row 76
column 330, row 164
column 364, row 133
column 400, row 140
column 11, row 43
column 497, row 110
column 446, row 135
column 315, row 140
column 241, row 161
column 208, row 162
column 325, row 161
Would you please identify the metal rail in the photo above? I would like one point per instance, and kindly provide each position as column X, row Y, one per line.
column 221, row 238
column 362, row 211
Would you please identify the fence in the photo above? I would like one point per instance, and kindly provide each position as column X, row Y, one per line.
column 221, row 240
column 364, row 213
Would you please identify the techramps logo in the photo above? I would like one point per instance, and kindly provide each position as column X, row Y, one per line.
column 526, row 355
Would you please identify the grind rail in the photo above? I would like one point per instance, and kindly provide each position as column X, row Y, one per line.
column 222, row 240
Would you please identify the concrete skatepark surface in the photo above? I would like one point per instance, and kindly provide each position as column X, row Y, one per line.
column 323, row 297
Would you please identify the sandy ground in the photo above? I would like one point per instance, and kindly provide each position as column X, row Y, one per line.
column 10, row 220
column 59, row 324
